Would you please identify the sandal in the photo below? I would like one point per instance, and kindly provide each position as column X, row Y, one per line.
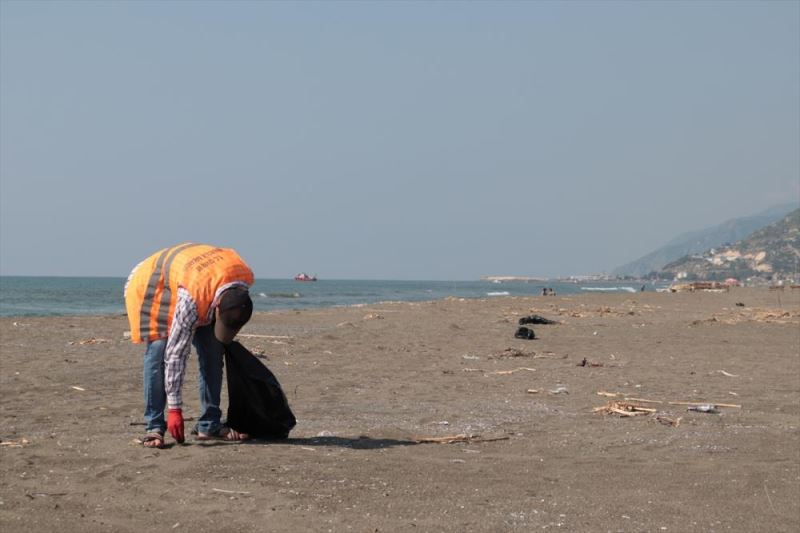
column 223, row 433
column 153, row 439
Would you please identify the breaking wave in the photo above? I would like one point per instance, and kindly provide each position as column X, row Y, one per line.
column 280, row 295
column 609, row 289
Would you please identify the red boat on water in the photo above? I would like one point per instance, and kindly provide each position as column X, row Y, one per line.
column 302, row 276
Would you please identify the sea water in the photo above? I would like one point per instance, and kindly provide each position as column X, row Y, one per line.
column 53, row 296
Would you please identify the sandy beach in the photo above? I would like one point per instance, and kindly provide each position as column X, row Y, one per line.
column 369, row 384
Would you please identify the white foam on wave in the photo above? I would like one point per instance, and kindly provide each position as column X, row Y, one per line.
column 498, row 293
column 627, row 289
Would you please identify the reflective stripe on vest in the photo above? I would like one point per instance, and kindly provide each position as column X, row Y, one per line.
column 147, row 302
column 166, row 292
column 163, row 264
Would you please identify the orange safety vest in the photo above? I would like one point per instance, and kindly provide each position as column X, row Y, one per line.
column 152, row 291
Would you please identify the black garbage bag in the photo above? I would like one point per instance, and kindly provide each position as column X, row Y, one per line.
column 525, row 333
column 256, row 402
column 535, row 319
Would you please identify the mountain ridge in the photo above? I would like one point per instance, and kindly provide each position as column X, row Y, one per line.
column 699, row 241
column 770, row 253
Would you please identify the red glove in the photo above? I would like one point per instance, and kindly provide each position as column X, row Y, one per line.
column 175, row 424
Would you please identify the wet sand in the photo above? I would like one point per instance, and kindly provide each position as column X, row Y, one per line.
column 367, row 383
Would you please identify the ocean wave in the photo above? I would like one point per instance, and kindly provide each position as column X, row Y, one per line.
column 498, row 293
column 626, row 289
column 280, row 295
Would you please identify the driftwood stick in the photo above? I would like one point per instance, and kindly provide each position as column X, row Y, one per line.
column 454, row 439
column 624, row 409
column 643, row 400
column 230, row 491
column 441, row 440
column 641, row 409
column 703, row 403
column 255, row 336
column 622, row 412
column 506, row 372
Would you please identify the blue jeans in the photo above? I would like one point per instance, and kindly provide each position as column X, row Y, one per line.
column 155, row 398
column 210, row 354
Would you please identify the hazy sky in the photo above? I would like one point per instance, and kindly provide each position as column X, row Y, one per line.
column 389, row 140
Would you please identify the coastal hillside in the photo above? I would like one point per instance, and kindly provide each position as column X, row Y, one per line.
column 697, row 242
column 771, row 253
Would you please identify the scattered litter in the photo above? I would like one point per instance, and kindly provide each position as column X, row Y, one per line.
column 559, row 390
column 739, row 304
column 704, row 408
column 373, row 316
column 533, row 391
column 92, row 340
column 511, row 352
column 452, row 439
column 645, row 400
column 727, row 374
column 586, row 362
column 623, row 409
column 506, row 372
column 535, row 319
column 78, row 388
column 525, row 333
column 471, row 370
column 733, row 393
column 470, row 357
column 752, row 314
column 14, row 443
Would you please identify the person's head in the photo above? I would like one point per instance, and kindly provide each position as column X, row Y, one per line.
column 233, row 311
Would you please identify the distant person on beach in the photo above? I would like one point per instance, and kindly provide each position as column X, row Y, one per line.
column 190, row 293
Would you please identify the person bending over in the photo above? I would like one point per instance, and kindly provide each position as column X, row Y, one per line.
column 187, row 294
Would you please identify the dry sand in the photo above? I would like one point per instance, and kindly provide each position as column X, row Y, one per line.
column 365, row 381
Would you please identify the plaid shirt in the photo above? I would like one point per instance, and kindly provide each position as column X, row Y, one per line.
column 184, row 322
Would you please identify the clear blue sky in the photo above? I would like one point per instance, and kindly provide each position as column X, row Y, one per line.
column 389, row 140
